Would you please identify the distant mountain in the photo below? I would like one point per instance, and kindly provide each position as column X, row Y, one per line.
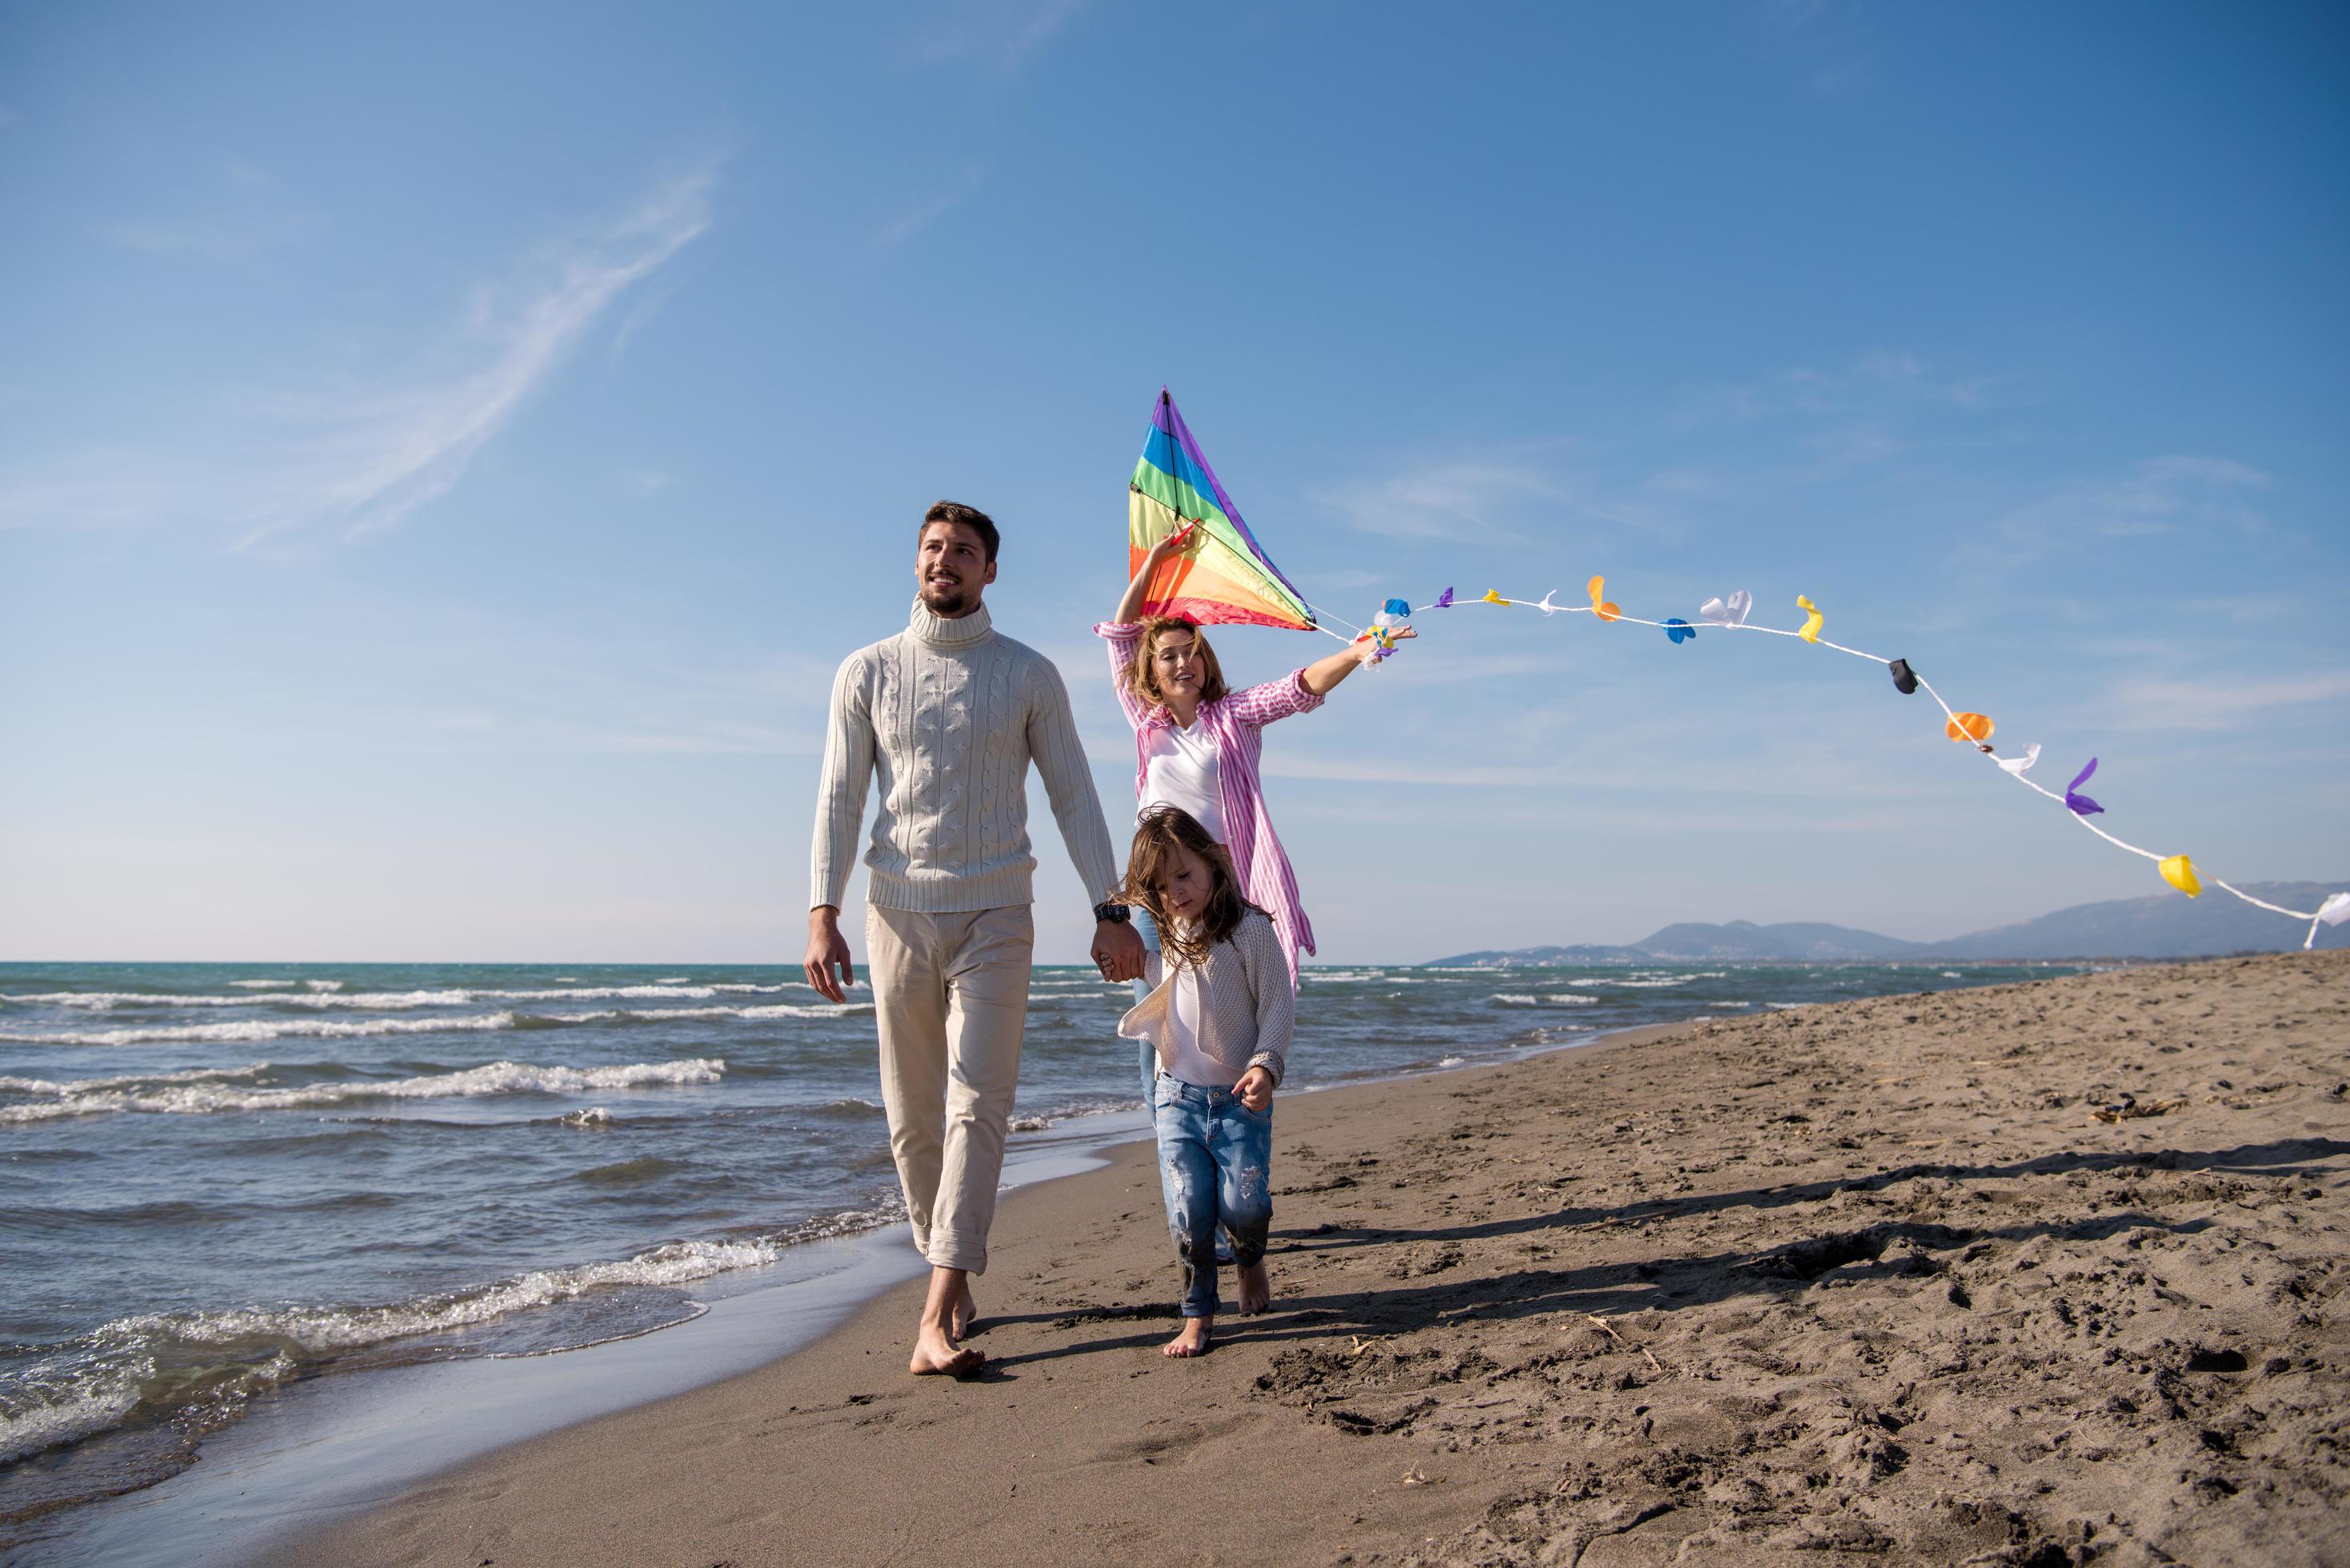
column 1582, row 952
column 1799, row 941
column 2161, row 926
column 1693, row 941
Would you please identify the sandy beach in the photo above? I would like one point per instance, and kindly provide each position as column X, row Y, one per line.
column 2031, row 1274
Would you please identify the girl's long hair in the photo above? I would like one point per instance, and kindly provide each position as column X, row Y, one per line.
column 1142, row 674
column 1161, row 833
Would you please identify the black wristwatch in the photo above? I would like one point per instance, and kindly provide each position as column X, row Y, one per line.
column 1116, row 914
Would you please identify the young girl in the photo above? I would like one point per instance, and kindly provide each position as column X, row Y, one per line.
column 1219, row 1017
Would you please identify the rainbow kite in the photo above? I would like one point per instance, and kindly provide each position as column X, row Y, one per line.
column 1226, row 577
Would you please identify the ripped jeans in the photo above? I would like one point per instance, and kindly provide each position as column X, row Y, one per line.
column 1215, row 1167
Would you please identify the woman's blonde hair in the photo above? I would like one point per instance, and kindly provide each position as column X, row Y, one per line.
column 1163, row 830
column 1142, row 674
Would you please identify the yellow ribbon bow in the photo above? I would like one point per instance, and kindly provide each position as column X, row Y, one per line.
column 1811, row 632
column 2179, row 872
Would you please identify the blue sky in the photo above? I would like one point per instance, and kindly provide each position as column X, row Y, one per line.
column 445, row 451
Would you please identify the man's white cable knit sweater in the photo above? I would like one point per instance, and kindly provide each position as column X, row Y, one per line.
column 949, row 714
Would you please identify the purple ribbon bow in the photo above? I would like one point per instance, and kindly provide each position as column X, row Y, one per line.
column 2079, row 804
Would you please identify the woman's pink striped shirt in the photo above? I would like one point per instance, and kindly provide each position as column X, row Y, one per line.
column 1232, row 721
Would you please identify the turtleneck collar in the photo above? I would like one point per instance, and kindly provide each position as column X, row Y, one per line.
column 960, row 632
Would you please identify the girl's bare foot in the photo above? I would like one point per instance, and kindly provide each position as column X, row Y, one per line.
column 1256, row 1290
column 966, row 1314
column 1193, row 1340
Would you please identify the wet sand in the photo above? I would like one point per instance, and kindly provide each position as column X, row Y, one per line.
column 1859, row 1283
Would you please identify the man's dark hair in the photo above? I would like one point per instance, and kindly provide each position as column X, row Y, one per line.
column 971, row 517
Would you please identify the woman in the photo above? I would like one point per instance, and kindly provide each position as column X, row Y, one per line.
column 1196, row 745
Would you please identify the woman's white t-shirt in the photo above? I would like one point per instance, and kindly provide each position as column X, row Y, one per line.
column 1179, row 770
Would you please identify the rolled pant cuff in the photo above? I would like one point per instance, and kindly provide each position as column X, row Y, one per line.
column 955, row 1253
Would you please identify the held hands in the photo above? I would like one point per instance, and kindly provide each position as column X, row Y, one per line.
column 827, row 952
column 1117, row 951
column 1254, row 1089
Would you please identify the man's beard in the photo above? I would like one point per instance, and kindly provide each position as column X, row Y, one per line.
column 947, row 599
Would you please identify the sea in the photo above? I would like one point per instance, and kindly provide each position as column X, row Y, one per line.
column 217, row 1180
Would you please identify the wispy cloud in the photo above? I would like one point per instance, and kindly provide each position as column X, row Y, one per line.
column 1002, row 34
column 1770, row 776
column 761, row 708
column 1872, row 385
column 227, row 238
column 1823, row 45
column 2174, row 494
column 365, row 452
column 392, row 451
column 512, row 685
column 242, row 218
column 1441, row 500
column 2225, row 702
column 902, row 228
column 638, row 317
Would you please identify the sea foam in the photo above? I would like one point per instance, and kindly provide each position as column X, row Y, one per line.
column 258, row 1029
column 316, row 1330
column 208, row 1091
column 125, row 1361
column 329, row 994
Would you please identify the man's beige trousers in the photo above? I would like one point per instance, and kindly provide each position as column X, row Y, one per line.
column 952, row 995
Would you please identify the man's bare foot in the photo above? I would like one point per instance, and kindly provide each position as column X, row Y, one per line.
column 966, row 1314
column 1192, row 1341
column 1256, row 1290
column 934, row 1353
column 945, row 1310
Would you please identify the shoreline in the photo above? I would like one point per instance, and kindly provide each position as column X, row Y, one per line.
column 325, row 1448
column 1853, row 1283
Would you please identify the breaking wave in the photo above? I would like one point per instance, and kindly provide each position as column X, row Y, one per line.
column 259, row 1029
column 327, row 994
column 210, row 1090
column 262, row 1029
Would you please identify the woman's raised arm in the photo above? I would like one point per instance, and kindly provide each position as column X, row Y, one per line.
column 1129, row 608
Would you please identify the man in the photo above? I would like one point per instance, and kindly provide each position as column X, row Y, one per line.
column 951, row 714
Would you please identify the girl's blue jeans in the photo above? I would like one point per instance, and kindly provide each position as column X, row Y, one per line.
column 1215, row 1169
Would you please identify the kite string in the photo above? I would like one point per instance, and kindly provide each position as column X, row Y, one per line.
column 2248, row 898
column 1320, row 615
column 1548, row 608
